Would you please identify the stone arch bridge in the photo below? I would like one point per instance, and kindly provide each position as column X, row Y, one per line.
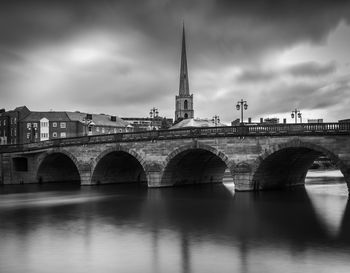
column 255, row 157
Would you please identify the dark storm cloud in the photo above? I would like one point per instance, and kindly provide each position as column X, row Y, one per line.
column 312, row 69
column 312, row 96
column 305, row 70
column 231, row 25
column 257, row 75
column 147, row 34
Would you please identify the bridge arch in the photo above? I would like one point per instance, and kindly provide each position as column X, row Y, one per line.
column 118, row 165
column 58, row 165
column 193, row 164
column 287, row 164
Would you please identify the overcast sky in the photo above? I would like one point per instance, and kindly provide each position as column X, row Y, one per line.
column 123, row 57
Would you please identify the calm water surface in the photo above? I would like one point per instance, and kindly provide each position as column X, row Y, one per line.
column 129, row 228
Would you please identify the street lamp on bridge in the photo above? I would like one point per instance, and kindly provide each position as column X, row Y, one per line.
column 242, row 104
column 153, row 114
column 296, row 114
column 88, row 124
column 216, row 120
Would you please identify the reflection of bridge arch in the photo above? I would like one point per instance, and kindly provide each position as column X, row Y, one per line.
column 195, row 163
column 287, row 164
column 118, row 165
column 58, row 166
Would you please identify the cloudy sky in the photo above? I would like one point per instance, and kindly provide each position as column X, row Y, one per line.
column 123, row 57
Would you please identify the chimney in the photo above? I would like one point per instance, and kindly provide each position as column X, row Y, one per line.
column 249, row 120
column 261, row 120
column 89, row 116
column 284, row 120
column 113, row 118
column 2, row 110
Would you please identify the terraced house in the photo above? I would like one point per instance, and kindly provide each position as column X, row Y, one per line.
column 24, row 126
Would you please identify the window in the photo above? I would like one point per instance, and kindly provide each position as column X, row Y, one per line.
column 44, row 124
column 115, row 130
column 185, row 104
column 14, row 120
column 44, row 135
column 54, row 134
column 54, row 124
column 97, row 129
column 103, row 130
column 63, row 134
column 28, row 125
column 4, row 122
column 28, row 135
column 15, row 132
column 35, row 125
column 62, row 124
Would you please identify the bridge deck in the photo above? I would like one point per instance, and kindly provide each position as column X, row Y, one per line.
column 301, row 129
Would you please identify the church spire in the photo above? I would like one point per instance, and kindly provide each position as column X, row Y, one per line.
column 184, row 86
column 184, row 101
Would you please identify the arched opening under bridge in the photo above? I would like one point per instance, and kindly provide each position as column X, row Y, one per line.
column 118, row 167
column 194, row 166
column 58, row 167
column 290, row 166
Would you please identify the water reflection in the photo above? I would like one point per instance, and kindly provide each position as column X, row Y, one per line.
column 128, row 228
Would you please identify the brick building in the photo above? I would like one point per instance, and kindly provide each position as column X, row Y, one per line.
column 147, row 124
column 23, row 126
column 10, row 124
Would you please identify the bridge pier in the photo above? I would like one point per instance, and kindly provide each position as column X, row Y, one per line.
column 84, row 169
column 242, row 174
column 243, row 182
column 154, row 180
column 154, row 174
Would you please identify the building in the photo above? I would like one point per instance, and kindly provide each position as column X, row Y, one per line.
column 10, row 126
column 147, row 124
column 184, row 101
column 24, row 126
column 40, row 126
column 196, row 122
column 271, row 121
column 320, row 120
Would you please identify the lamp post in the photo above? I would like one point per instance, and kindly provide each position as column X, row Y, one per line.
column 216, row 120
column 153, row 114
column 239, row 106
column 296, row 114
column 88, row 124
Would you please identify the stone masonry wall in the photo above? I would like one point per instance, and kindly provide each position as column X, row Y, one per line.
column 242, row 156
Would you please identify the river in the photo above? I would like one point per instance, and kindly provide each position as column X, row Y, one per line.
column 129, row 228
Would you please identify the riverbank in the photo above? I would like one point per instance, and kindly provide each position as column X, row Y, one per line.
column 324, row 177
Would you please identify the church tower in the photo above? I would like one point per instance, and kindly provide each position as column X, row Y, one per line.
column 184, row 101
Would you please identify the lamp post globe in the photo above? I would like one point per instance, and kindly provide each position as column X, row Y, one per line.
column 296, row 114
column 242, row 105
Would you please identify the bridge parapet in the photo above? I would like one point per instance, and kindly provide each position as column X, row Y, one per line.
column 301, row 129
